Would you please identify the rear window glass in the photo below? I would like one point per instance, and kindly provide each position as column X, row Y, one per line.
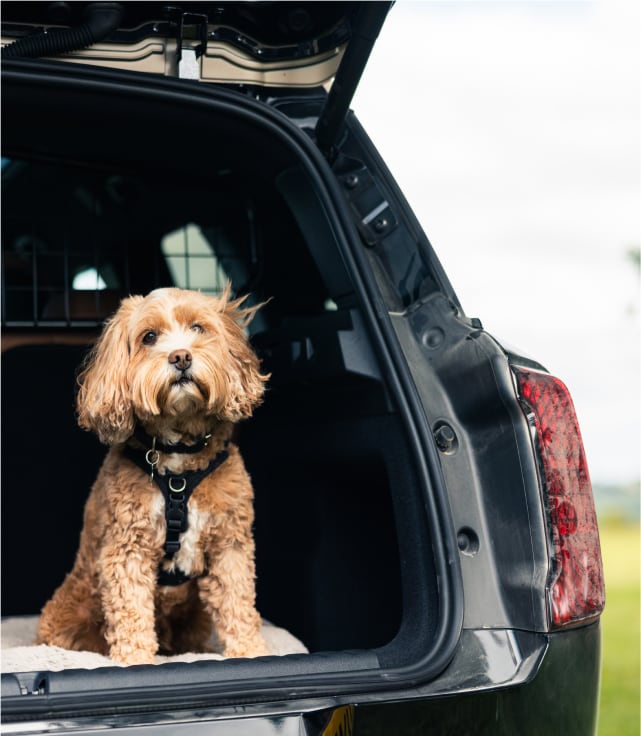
column 191, row 260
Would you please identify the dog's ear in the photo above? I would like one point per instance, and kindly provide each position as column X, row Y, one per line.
column 246, row 384
column 103, row 403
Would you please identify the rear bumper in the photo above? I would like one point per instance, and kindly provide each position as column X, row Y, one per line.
column 560, row 695
column 499, row 683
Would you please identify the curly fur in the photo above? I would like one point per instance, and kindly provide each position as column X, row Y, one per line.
column 177, row 363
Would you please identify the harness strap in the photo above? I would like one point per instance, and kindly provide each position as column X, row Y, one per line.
column 176, row 490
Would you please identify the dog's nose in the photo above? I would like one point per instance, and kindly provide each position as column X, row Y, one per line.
column 180, row 359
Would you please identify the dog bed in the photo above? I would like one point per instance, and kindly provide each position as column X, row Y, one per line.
column 19, row 654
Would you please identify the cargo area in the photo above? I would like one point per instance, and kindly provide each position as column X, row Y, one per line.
column 344, row 557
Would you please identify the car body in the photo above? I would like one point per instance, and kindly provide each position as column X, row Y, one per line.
column 424, row 516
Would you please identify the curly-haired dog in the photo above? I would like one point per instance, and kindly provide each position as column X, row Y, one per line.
column 166, row 553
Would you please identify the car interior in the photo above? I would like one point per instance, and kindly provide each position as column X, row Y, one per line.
column 87, row 221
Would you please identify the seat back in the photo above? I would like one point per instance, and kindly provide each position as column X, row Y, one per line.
column 48, row 466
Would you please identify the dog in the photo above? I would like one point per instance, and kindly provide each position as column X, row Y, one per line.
column 166, row 555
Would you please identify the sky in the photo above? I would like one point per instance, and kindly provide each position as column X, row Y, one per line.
column 513, row 129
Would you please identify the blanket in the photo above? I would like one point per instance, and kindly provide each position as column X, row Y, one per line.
column 19, row 654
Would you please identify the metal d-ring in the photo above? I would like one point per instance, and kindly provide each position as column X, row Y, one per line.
column 177, row 490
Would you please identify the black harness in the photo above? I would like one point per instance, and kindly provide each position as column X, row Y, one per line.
column 176, row 490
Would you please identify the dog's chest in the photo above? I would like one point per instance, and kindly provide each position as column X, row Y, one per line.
column 190, row 557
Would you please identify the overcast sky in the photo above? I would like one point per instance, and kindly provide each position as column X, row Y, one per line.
column 513, row 130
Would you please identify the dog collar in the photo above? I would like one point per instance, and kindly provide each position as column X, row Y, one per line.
column 179, row 448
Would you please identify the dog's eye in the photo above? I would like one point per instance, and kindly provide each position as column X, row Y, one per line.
column 198, row 328
column 149, row 338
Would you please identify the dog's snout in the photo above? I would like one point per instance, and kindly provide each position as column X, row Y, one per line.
column 180, row 359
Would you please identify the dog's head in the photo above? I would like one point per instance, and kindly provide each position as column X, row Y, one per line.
column 173, row 353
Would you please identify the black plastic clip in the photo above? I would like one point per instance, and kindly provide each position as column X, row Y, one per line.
column 372, row 212
column 198, row 20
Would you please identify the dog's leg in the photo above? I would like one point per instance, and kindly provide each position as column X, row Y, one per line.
column 229, row 595
column 127, row 581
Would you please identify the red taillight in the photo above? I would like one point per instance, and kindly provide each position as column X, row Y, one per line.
column 575, row 585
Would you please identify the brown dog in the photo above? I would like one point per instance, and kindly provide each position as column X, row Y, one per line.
column 166, row 553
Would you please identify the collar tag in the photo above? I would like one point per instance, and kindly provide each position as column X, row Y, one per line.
column 152, row 456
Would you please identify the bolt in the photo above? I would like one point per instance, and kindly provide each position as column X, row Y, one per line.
column 380, row 224
column 445, row 438
column 351, row 181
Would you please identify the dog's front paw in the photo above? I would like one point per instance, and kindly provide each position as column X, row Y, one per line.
column 130, row 656
column 256, row 647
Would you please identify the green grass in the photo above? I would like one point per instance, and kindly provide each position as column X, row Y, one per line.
column 619, row 715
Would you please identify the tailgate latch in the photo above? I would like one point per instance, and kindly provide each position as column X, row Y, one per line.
column 190, row 27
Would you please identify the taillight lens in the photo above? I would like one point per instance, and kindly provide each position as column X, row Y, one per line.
column 576, row 592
